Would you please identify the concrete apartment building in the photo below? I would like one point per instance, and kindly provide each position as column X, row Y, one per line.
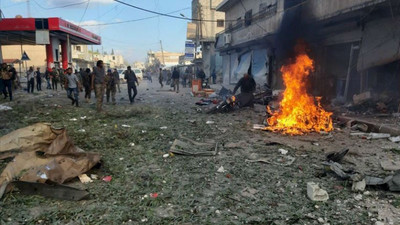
column 354, row 43
column 207, row 23
column 165, row 58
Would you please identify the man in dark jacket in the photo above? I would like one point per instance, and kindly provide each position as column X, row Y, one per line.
column 247, row 86
column 38, row 76
column 175, row 78
column 131, row 80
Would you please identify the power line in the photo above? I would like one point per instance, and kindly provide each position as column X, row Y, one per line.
column 133, row 20
column 60, row 7
column 164, row 14
column 84, row 12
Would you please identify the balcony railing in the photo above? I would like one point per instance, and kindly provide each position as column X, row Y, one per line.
column 263, row 14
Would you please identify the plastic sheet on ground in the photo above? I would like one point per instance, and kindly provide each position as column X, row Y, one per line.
column 193, row 148
column 42, row 154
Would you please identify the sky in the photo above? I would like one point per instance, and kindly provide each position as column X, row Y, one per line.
column 133, row 39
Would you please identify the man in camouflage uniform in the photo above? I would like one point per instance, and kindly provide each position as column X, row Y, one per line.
column 54, row 78
column 111, row 88
column 98, row 84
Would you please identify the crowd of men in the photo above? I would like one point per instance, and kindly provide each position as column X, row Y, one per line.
column 107, row 82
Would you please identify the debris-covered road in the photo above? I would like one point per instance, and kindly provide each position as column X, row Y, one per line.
column 256, row 177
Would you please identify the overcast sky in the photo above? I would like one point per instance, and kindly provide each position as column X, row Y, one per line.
column 132, row 39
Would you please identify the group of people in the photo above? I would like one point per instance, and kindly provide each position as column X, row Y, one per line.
column 102, row 82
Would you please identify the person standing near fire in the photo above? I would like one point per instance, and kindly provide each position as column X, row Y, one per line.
column 98, row 84
column 247, row 86
column 131, row 81
column 111, row 88
column 72, row 86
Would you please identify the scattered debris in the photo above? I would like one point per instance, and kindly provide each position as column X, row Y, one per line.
column 359, row 186
column 73, row 119
column 390, row 165
column 83, row 117
column 165, row 155
column 163, row 128
column 193, row 148
column 315, row 193
column 337, row 156
column 283, row 151
column 82, row 130
column 125, row 126
column 259, row 127
column 94, row 176
column 358, row 197
column 57, row 191
column 5, row 108
column 221, row 170
column 154, row 195
column 395, row 139
column 210, row 122
column 377, row 136
column 132, row 144
column 85, row 179
column 43, row 154
column 361, row 98
column 107, row 178
column 249, row 192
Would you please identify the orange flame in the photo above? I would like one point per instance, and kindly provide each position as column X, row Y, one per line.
column 299, row 112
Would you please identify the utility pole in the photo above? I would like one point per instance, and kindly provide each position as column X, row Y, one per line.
column 28, row 5
column 162, row 53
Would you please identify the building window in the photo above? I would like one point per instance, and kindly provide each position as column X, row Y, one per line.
column 78, row 48
column 248, row 17
column 267, row 9
column 113, row 57
column 239, row 22
column 220, row 23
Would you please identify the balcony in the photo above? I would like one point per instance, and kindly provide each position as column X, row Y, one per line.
column 252, row 27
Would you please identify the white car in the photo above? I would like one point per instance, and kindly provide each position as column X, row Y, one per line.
column 138, row 73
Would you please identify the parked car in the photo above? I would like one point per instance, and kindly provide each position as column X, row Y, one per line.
column 138, row 73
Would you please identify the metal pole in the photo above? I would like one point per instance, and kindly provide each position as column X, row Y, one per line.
column 162, row 53
column 346, row 89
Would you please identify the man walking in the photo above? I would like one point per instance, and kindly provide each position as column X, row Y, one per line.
column 98, row 84
column 31, row 79
column 47, row 77
column 117, row 81
column 175, row 78
column 86, row 81
column 160, row 78
column 54, row 78
column 38, row 79
column 111, row 86
column 131, row 80
column 72, row 85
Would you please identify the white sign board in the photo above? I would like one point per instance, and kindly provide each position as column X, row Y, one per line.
column 42, row 37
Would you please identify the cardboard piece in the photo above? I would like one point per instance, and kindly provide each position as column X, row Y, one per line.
column 45, row 155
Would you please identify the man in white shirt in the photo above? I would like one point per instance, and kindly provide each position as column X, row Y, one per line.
column 72, row 85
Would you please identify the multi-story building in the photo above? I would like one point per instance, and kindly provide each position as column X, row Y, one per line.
column 164, row 58
column 353, row 43
column 207, row 22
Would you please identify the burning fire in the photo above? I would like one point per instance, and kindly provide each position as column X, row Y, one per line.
column 299, row 112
